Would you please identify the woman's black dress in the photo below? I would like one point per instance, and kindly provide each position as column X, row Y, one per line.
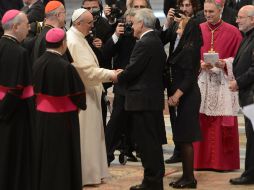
column 184, row 65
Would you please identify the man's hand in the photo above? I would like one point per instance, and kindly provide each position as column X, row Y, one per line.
column 205, row 66
column 97, row 43
column 116, row 73
column 233, row 86
column 119, row 29
column 170, row 17
column 220, row 64
column 107, row 10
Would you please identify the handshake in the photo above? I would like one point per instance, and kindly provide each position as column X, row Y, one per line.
column 115, row 75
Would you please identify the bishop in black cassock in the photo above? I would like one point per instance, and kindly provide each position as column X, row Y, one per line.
column 16, row 101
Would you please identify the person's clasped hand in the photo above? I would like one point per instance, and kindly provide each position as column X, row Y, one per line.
column 206, row 66
column 173, row 101
column 220, row 64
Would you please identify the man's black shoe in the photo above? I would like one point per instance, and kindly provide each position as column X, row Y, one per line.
column 139, row 187
column 242, row 181
column 173, row 159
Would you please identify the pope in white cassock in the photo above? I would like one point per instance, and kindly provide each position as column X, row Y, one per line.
column 93, row 150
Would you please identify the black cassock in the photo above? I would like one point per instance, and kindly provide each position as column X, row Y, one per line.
column 16, row 114
column 58, row 156
column 39, row 46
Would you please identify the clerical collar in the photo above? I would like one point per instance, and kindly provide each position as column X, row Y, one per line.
column 10, row 37
column 53, row 51
column 214, row 26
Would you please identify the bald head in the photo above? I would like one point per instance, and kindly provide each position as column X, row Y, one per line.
column 248, row 10
column 245, row 18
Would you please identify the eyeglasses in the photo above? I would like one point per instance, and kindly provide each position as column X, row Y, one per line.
column 139, row 6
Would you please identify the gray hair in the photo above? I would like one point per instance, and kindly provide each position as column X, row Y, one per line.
column 217, row 4
column 146, row 15
column 16, row 20
column 129, row 12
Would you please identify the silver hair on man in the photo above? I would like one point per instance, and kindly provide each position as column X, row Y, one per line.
column 146, row 15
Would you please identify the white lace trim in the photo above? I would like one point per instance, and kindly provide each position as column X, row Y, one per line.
column 216, row 98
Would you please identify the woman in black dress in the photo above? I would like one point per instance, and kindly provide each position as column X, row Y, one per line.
column 184, row 95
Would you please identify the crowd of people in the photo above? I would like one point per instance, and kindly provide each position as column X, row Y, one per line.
column 54, row 80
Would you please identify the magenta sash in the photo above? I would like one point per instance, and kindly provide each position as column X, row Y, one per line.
column 53, row 104
column 3, row 91
column 28, row 92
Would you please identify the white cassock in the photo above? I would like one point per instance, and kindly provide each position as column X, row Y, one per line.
column 93, row 149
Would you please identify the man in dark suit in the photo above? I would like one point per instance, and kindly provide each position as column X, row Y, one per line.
column 228, row 15
column 243, row 69
column 145, row 97
column 34, row 10
column 120, row 47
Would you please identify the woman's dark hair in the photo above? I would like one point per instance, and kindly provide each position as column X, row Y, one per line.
column 55, row 45
column 191, row 36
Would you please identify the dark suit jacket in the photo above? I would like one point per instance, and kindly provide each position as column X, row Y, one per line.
column 228, row 15
column 143, row 75
column 243, row 69
column 35, row 12
column 121, row 53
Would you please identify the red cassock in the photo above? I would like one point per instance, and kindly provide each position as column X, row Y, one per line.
column 219, row 148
